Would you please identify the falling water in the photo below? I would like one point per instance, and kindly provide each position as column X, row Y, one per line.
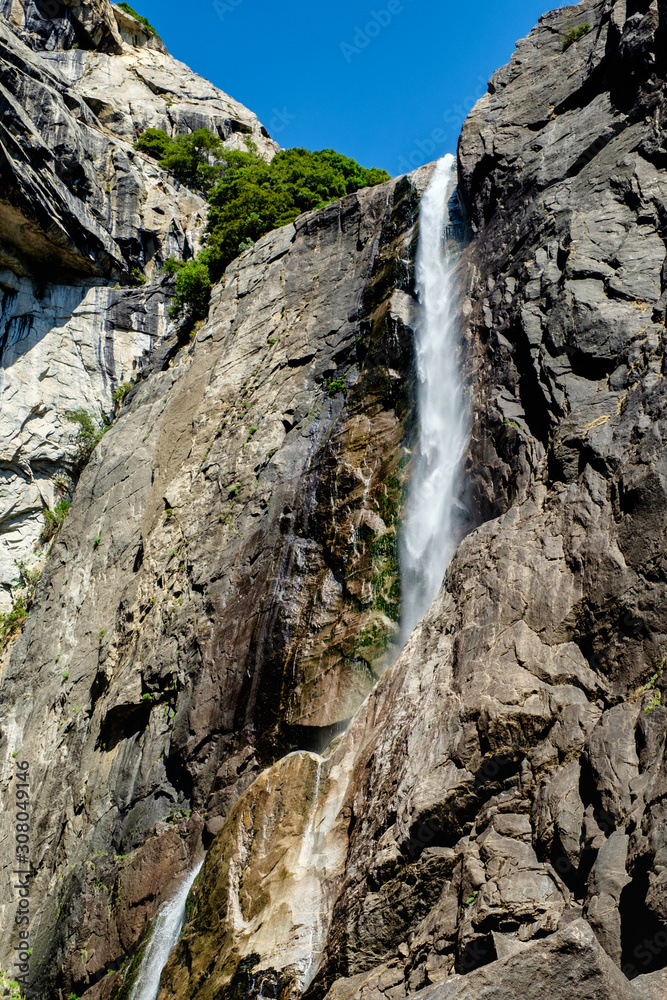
column 431, row 532
column 164, row 935
column 311, row 915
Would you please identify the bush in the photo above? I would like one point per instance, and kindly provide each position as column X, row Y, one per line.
column 23, row 592
column 249, row 198
column 186, row 157
column 89, row 435
column 54, row 520
column 193, row 288
column 574, row 34
column 253, row 197
column 142, row 20
column 153, row 141
column 121, row 391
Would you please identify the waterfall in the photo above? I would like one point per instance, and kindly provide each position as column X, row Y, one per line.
column 431, row 530
column 165, row 933
column 310, row 900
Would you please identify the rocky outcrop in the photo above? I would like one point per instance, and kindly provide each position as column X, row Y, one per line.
column 226, row 578
column 83, row 218
column 505, row 778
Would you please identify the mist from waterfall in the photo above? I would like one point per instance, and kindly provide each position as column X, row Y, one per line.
column 431, row 528
column 164, row 935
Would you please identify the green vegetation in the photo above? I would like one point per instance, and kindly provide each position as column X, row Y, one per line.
column 96, row 541
column 9, row 988
column 137, row 277
column 253, row 197
column 336, row 386
column 89, row 436
column 193, row 286
column 54, row 519
column 142, row 20
column 11, row 622
column 121, row 391
column 247, row 198
column 23, row 593
column 657, row 700
column 651, row 686
column 186, row 157
column 574, row 34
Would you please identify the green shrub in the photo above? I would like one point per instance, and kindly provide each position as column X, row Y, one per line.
column 137, row 277
column 253, row 197
column 248, row 199
column 186, row 157
column 90, row 435
column 154, row 141
column 193, row 288
column 142, row 20
column 574, row 34
column 337, row 385
column 11, row 622
column 53, row 520
column 121, row 391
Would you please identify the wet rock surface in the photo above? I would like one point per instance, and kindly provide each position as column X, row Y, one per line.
column 224, row 585
column 505, row 776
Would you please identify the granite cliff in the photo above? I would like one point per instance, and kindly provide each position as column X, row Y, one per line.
column 223, row 596
column 85, row 222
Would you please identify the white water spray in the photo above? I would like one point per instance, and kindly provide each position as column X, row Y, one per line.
column 430, row 533
column 164, row 935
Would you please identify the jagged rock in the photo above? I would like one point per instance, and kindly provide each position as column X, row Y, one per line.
column 652, row 987
column 79, row 209
column 607, row 881
column 174, row 544
column 570, row 963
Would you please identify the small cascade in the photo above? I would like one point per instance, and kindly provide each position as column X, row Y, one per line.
column 164, row 935
column 431, row 529
column 311, row 915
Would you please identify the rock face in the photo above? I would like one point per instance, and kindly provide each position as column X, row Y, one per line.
column 224, row 592
column 231, row 551
column 506, row 776
column 80, row 211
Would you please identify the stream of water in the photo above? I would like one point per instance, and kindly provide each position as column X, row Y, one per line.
column 430, row 533
column 165, row 933
column 431, row 528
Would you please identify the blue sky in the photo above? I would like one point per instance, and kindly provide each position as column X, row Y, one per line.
column 387, row 82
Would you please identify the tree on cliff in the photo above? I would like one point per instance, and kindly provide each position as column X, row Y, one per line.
column 247, row 196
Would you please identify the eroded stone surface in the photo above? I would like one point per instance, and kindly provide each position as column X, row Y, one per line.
column 79, row 209
column 508, row 766
column 222, row 551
